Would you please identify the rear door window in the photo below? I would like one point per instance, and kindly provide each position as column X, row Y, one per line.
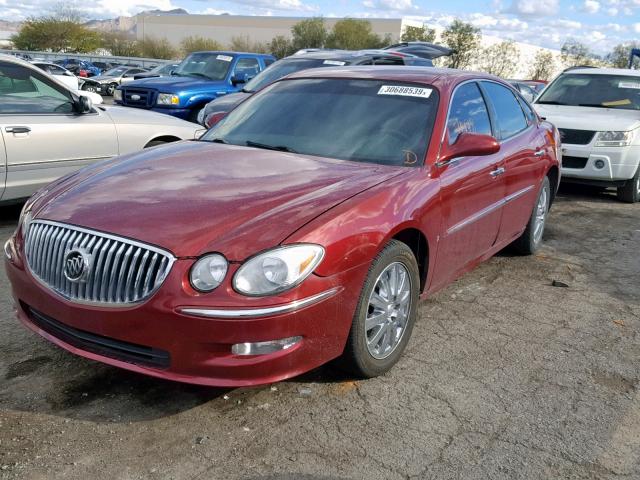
column 509, row 115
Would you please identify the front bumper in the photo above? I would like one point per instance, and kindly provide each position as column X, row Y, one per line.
column 195, row 348
column 604, row 164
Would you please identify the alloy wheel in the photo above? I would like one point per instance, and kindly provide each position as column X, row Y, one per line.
column 541, row 215
column 388, row 310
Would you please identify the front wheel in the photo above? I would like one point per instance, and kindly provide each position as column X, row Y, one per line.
column 630, row 193
column 385, row 314
column 87, row 87
column 111, row 88
column 531, row 239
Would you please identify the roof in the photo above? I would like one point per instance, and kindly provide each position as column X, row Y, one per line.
column 606, row 71
column 425, row 75
column 330, row 54
column 222, row 52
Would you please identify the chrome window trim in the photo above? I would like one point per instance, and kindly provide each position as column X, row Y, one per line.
column 225, row 313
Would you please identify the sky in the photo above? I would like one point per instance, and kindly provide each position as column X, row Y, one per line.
column 601, row 24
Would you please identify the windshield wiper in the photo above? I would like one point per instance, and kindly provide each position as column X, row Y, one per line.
column 550, row 102
column 219, row 140
column 279, row 148
column 198, row 74
column 596, row 105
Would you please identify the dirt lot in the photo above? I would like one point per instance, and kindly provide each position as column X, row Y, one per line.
column 506, row 376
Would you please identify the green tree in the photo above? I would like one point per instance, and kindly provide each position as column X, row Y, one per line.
column 418, row 34
column 543, row 67
column 120, row 44
column 245, row 44
column 354, row 34
column 198, row 43
column 574, row 53
column 55, row 34
column 280, row 46
column 501, row 59
column 309, row 33
column 152, row 47
column 464, row 39
column 619, row 57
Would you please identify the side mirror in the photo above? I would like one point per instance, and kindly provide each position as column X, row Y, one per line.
column 469, row 145
column 239, row 78
column 83, row 104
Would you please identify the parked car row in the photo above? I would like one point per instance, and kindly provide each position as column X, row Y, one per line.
column 327, row 197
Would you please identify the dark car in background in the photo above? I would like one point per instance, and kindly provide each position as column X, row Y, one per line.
column 426, row 50
column 81, row 68
column 316, row 58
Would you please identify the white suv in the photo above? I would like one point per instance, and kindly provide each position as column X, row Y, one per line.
column 597, row 111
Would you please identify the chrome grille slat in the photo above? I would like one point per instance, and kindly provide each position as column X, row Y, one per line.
column 121, row 271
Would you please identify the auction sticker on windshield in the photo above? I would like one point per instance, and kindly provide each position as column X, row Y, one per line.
column 634, row 85
column 405, row 91
column 225, row 58
column 334, row 62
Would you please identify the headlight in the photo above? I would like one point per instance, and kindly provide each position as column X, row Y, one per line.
column 208, row 272
column 167, row 99
column 117, row 95
column 277, row 270
column 614, row 139
column 25, row 218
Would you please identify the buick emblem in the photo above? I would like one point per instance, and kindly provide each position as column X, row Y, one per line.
column 135, row 97
column 76, row 265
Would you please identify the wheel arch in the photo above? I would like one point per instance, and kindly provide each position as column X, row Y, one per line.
column 419, row 245
column 554, row 179
column 163, row 138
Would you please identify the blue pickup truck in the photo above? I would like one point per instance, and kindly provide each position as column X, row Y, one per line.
column 199, row 78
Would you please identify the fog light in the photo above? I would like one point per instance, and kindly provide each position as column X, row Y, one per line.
column 599, row 164
column 263, row 348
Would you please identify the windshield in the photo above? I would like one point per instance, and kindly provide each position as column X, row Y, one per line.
column 360, row 120
column 213, row 66
column 594, row 90
column 115, row 72
column 285, row 67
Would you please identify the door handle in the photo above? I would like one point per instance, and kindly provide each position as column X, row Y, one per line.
column 539, row 153
column 17, row 129
column 497, row 172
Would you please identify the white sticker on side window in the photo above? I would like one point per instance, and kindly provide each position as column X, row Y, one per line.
column 405, row 91
column 224, row 58
column 635, row 85
column 334, row 62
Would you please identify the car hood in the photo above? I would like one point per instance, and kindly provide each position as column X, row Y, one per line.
column 197, row 197
column 103, row 78
column 589, row 118
column 121, row 115
column 226, row 102
column 173, row 83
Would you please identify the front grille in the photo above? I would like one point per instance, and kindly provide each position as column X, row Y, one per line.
column 574, row 162
column 106, row 346
column 116, row 271
column 576, row 137
column 138, row 97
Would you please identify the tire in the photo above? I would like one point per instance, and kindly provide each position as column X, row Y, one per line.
column 531, row 239
column 111, row 88
column 361, row 356
column 87, row 87
column 155, row 143
column 630, row 193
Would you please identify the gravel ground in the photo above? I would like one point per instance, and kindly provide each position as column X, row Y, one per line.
column 506, row 376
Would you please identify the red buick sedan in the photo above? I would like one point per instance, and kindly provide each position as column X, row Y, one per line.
column 303, row 228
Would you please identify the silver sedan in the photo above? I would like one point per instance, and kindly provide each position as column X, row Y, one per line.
column 47, row 130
